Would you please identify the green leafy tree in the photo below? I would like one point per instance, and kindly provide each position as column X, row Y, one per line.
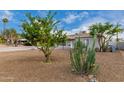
column 1, row 39
column 104, row 33
column 13, row 36
column 10, row 35
column 6, row 35
column 43, row 33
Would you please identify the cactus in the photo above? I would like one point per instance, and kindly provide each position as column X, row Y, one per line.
column 77, row 56
column 83, row 58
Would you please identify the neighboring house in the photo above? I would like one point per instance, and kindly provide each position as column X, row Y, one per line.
column 121, row 43
column 88, row 40
column 84, row 36
column 21, row 41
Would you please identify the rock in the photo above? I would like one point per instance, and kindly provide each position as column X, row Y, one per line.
column 92, row 78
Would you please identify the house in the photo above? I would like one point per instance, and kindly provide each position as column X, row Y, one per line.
column 121, row 43
column 88, row 40
column 22, row 41
column 84, row 36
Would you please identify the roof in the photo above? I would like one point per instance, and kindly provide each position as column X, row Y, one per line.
column 71, row 37
column 81, row 34
column 22, row 39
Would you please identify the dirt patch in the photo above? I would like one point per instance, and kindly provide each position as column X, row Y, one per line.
column 29, row 66
column 111, row 66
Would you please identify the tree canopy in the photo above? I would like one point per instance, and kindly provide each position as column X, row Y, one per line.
column 43, row 32
column 10, row 35
column 104, row 33
column 5, row 20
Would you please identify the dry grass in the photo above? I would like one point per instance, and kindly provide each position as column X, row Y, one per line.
column 28, row 66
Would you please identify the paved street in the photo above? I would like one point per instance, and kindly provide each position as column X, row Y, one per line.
column 21, row 48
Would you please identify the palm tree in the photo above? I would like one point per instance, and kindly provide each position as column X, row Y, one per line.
column 5, row 21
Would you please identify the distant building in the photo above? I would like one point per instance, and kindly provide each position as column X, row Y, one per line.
column 84, row 36
column 88, row 40
column 22, row 41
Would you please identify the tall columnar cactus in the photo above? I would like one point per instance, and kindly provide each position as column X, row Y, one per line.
column 83, row 58
column 77, row 56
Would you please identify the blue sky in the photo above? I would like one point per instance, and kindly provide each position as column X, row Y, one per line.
column 72, row 21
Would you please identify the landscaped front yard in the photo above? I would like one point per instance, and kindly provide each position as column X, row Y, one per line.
column 29, row 66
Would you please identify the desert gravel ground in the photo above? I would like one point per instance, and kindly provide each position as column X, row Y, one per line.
column 111, row 66
column 28, row 66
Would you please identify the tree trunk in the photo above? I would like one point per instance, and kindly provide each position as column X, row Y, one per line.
column 117, row 41
column 47, row 58
column 100, row 50
column 100, row 46
column 47, row 52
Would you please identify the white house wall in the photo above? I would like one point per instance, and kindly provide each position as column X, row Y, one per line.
column 71, row 43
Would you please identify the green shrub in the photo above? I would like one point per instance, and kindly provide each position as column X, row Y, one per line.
column 2, row 41
column 83, row 58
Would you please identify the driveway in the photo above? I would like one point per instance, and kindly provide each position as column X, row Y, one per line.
column 21, row 48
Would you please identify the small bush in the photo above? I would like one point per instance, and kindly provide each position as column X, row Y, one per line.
column 2, row 41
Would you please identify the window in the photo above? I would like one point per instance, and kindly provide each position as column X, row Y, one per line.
column 86, row 41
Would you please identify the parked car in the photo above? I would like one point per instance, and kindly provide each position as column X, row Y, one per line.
column 111, row 48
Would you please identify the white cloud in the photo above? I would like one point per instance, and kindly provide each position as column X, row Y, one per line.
column 83, row 14
column 94, row 20
column 7, row 14
column 72, row 17
column 85, row 25
column 112, row 16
